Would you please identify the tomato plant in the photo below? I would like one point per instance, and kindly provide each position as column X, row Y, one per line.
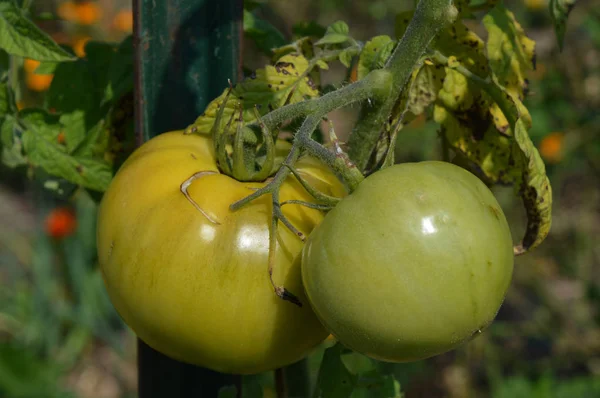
column 189, row 276
column 413, row 263
column 200, row 231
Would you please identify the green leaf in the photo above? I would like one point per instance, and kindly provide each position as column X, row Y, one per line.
column 346, row 58
column 12, row 148
column 46, row 68
column 334, row 379
column 559, row 11
column 374, row 55
column 84, row 91
column 46, row 125
column 23, row 374
column 269, row 88
column 336, row 33
column 511, row 54
column 19, row 36
column 42, row 150
column 265, row 36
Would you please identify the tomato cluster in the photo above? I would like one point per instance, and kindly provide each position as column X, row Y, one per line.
column 411, row 264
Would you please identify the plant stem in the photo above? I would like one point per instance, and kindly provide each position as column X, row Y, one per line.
column 429, row 18
column 374, row 85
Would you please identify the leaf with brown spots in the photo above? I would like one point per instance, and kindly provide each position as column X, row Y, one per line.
column 285, row 82
column 463, row 111
column 511, row 54
column 534, row 188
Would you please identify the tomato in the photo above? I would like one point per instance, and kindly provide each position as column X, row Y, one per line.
column 61, row 222
column 414, row 262
column 195, row 286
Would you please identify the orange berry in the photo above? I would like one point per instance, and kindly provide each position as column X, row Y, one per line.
column 551, row 147
column 61, row 138
column 30, row 65
column 123, row 21
column 67, row 11
column 38, row 82
column 88, row 12
column 20, row 105
column 60, row 222
column 79, row 45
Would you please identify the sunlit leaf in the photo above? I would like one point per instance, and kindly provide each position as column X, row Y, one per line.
column 20, row 36
column 286, row 82
column 510, row 52
column 336, row 33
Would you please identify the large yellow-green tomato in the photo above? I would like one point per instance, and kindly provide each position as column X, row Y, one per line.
column 414, row 262
column 189, row 276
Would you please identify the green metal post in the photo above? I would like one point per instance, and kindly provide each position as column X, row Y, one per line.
column 185, row 51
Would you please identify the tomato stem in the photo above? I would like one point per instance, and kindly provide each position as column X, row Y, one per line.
column 429, row 18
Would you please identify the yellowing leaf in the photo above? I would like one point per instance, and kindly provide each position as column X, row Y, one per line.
column 534, row 188
column 511, row 54
column 286, row 82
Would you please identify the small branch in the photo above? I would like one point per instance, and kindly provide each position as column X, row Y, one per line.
column 429, row 18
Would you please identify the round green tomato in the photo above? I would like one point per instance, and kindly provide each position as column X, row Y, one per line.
column 414, row 262
column 189, row 276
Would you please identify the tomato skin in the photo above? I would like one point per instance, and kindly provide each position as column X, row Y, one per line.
column 414, row 262
column 198, row 291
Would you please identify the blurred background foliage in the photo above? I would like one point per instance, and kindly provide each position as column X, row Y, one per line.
column 60, row 336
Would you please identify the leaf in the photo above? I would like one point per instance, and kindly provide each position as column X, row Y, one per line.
column 511, row 54
column 12, row 148
column 265, row 36
column 345, row 58
column 46, row 125
column 19, row 36
column 46, row 68
column 374, row 55
column 424, row 87
column 534, row 188
column 559, row 11
column 42, row 150
column 83, row 92
column 464, row 112
column 336, row 33
column 334, row 379
column 270, row 88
